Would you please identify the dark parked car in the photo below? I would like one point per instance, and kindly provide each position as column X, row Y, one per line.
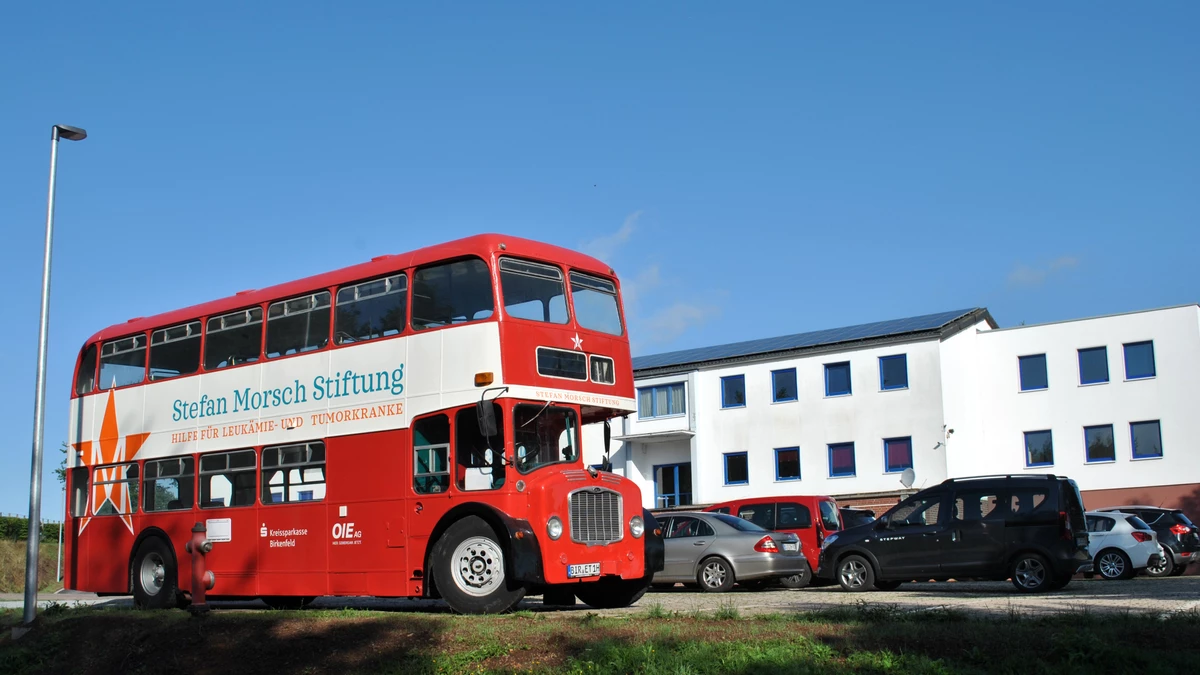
column 852, row 517
column 1177, row 535
column 1028, row 528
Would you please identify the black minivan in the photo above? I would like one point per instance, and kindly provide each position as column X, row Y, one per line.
column 1029, row 528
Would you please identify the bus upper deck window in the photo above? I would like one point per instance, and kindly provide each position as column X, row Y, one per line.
column 595, row 301
column 450, row 293
column 85, row 379
column 533, row 291
column 233, row 339
column 298, row 325
column 123, row 362
column 370, row 310
column 175, row 351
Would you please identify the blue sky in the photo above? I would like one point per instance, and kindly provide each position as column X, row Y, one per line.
column 748, row 170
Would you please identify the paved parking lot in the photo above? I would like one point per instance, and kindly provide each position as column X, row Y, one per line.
column 1142, row 595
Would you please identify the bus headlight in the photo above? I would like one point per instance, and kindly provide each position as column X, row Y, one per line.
column 554, row 527
column 637, row 526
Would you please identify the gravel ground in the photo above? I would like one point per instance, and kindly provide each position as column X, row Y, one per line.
column 1141, row 595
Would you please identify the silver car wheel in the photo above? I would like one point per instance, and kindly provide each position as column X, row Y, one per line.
column 477, row 566
column 713, row 574
column 1030, row 573
column 153, row 574
column 853, row 574
column 1111, row 565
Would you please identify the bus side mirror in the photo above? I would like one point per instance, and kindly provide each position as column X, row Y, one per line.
column 486, row 413
column 606, row 465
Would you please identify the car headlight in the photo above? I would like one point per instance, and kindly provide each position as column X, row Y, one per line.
column 637, row 526
column 828, row 540
column 554, row 527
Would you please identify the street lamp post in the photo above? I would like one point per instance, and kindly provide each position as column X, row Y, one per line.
column 39, row 401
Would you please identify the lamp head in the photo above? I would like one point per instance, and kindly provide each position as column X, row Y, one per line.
column 70, row 133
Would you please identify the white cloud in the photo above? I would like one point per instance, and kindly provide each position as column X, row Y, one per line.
column 605, row 247
column 670, row 322
column 644, row 282
column 1030, row 276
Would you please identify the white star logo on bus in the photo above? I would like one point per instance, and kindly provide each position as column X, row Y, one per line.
column 577, row 342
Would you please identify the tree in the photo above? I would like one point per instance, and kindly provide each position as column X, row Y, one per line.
column 61, row 471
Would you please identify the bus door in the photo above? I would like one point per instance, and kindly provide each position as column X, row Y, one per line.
column 430, row 485
column 227, row 488
column 293, row 533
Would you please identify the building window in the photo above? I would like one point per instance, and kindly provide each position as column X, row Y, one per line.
column 783, row 385
column 733, row 391
column 893, row 372
column 1147, row 439
column 737, row 468
column 1093, row 365
column 661, row 401
column 1098, row 443
column 837, row 379
column 787, row 463
column 841, row 460
column 1033, row 372
column 897, row 454
column 1039, row 448
column 1139, row 360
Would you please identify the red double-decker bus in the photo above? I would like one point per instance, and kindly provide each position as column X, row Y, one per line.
column 406, row 427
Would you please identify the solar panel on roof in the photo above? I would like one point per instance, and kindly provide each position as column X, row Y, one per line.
column 800, row 340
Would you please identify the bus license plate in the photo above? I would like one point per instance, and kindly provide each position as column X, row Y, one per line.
column 788, row 546
column 583, row 570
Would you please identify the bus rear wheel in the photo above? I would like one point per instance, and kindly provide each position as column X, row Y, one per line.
column 612, row 594
column 154, row 575
column 469, row 569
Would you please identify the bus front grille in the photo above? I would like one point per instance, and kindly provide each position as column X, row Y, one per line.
column 595, row 516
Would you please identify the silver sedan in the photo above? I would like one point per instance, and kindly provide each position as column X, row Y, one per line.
column 716, row 550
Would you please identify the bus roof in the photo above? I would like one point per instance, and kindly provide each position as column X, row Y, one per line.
column 481, row 245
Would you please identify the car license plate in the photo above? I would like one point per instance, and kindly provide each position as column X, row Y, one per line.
column 789, row 546
column 583, row 570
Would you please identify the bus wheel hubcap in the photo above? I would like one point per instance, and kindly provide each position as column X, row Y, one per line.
column 154, row 573
column 478, row 566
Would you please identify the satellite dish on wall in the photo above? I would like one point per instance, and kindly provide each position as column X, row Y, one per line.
column 908, row 478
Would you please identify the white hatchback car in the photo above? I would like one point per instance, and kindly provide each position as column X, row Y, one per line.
column 1121, row 544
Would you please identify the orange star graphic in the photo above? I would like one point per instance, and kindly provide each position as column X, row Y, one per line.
column 111, row 448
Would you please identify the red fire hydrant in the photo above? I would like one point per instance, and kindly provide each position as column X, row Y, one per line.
column 202, row 579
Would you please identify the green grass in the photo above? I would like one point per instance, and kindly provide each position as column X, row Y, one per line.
column 862, row 639
column 12, row 567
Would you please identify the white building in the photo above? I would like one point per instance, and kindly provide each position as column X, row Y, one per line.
column 842, row 412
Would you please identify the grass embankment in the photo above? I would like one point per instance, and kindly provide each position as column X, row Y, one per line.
column 12, row 567
column 862, row 640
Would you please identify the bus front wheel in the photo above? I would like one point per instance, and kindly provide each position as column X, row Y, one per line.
column 469, row 569
column 154, row 576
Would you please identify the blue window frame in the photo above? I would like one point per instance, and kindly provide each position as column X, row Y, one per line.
column 841, row 460
column 673, row 485
column 783, row 385
column 1039, row 448
column 663, row 400
column 733, row 391
column 1093, row 365
column 1139, row 360
column 837, row 379
column 893, row 372
column 1098, row 444
column 737, row 468
column 1033, row 372
column 787, row 463
column 897, row 454
column 1147, row 439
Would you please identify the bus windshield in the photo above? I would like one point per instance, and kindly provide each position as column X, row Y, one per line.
column 544, row 435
